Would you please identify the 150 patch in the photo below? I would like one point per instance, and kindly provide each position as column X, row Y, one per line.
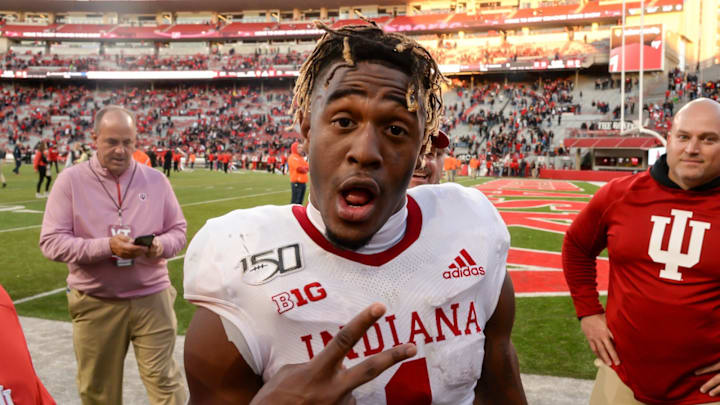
column 265, row 266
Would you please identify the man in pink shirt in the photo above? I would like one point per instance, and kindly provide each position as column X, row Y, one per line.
column 118, row 291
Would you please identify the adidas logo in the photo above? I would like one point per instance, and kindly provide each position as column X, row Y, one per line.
column 463, row 266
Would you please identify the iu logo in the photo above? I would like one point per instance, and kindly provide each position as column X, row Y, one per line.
column 673, row 257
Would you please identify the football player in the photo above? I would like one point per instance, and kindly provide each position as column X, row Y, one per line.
column 429, row 170
column 278, row 287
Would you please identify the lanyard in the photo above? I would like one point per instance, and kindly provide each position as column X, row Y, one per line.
column 121, row 198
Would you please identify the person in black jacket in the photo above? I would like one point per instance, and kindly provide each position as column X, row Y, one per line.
column 17, row 154
column 167, row 163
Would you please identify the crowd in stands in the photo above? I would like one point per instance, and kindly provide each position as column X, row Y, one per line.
column 152, row 62
column 11, row 61
column 189, row 118
column 453, row 52
column 610, row 83
column 510, row 122
column 229, row 62
column 501, row 123
column 446, row 52
column 682, row 87
column 234, row 61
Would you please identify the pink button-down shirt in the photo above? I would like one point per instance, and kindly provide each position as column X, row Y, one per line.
column 80, row 213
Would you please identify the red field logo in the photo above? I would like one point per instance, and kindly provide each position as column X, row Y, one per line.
column 539, row 272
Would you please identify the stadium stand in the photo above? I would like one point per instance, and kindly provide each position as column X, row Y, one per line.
column 503, row 120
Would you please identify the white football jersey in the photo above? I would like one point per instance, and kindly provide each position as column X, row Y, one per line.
column 271, row 273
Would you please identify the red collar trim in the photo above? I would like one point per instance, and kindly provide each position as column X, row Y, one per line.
column 412, row 233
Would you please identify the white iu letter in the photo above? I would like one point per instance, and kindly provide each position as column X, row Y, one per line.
column 672, row 257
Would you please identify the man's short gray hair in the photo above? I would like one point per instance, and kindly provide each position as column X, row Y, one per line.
column 111, row 108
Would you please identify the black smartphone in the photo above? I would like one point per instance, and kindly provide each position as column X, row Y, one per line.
column 145, row 240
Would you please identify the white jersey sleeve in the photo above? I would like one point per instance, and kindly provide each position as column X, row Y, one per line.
column 210, row 271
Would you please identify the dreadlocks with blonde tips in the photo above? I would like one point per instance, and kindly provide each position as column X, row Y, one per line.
column 353, row 43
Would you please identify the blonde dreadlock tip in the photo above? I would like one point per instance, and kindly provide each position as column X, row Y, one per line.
column 347, row 55
column 362, row 17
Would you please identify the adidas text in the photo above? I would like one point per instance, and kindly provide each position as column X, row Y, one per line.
column 464, row 272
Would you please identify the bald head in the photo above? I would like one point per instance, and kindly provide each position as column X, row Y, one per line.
column 693, row 148
column 115, row 111
column 698, row 108
column 115, row 136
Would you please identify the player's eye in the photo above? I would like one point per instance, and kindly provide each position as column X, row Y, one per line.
column 396, row 130
column 343, row 122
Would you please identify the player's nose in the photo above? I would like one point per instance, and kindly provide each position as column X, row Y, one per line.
column 365, row 148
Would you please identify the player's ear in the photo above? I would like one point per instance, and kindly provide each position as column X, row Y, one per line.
column 304, row 121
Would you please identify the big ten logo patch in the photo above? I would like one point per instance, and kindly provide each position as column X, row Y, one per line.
column 265, row 266
column 296, row 297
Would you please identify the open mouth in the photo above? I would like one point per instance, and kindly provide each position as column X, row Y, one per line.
column 421, row 175
column 356, row 200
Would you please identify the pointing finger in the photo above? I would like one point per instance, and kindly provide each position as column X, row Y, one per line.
column 375, row 365
column 341, row 344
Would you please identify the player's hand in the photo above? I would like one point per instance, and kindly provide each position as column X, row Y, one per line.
column 712, row 386
column 122, row 246
column 323, row 380
column 600, row 338
column 155, row 250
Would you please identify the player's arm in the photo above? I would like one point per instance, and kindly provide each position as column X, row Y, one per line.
column 57, row 239
column 584, row 240
column 216, row 372
column 500, row 382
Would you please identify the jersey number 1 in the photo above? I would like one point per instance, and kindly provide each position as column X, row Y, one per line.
column 410, row 385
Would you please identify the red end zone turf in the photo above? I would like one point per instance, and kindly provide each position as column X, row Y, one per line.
column 539, row 272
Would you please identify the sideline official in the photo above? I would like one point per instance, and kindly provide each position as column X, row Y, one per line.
column 118, row 292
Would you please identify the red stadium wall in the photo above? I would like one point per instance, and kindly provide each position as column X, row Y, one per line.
column 589, row 175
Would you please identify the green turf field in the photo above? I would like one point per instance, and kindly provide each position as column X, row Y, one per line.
column 546, row 334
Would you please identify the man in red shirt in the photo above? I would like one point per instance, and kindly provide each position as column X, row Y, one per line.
column 18, row 382
column 176, row 156
column 209, row 161
column 660, row 339
column 271, row 164
column 225, row 159
column 298, row 173
column 53, row 157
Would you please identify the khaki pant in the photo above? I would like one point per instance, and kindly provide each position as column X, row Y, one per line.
column 609, row 389
column 102, row 331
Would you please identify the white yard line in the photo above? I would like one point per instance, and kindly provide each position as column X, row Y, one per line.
column 36, row 296
column 549, row 294
column 22, row 228
column 23, row 202
column 59, row 290
column 232, row 198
